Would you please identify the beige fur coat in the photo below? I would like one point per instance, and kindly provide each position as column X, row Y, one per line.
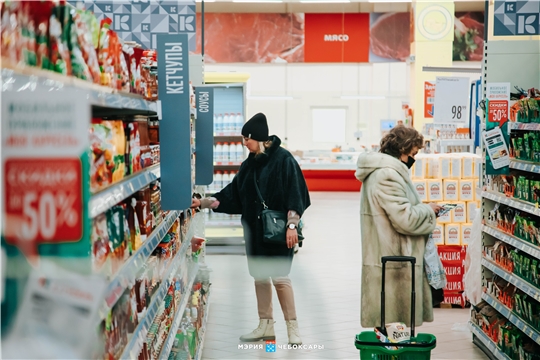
column 393, row 222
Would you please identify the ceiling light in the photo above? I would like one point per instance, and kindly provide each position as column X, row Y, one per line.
column 362, row 97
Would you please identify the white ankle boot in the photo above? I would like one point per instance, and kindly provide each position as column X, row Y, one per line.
column 293, row 332
column 265, row 331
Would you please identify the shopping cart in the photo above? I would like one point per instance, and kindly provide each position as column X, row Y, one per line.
column 420, row 346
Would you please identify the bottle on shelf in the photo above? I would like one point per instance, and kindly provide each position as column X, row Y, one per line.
column 226, row 123
column 218, row 154
column 219, row 181
column 239, row 152
column 239, row 122
column 232, row 153
column 219, row 124
column 225, row 151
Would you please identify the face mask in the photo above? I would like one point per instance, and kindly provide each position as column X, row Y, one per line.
column 410, row 162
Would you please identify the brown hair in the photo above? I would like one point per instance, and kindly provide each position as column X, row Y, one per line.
column 263, row 146
column 401, row 140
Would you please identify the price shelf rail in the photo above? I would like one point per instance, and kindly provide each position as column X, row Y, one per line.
column 104, row 100
column 486, row 343
column 135, row 344
column 202, row 332
column 523, row 285
column 515, row 319
column 126, row 274
column 223, row 223
column 524, row 126
column 523, row 165
column 167, row 346
column 113, row 194
column 515, row 203
column 513, row 240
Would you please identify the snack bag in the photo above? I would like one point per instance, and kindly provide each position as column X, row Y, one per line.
column 384, row 339
column 398, row 332
column 82, row 34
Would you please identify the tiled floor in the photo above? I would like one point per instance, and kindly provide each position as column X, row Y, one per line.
column 326, row 281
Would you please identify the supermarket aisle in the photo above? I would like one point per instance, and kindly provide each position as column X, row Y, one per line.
column 326, row 278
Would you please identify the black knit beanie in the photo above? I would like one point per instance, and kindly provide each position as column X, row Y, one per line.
column 256, row 128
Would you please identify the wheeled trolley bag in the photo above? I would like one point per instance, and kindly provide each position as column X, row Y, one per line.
column 419, row 347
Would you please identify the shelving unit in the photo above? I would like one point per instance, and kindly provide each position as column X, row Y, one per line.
column 515, row 203
column 134, row 346
column 202, row 332
column 512, row 240
column 112, row 195
column 127, row 272
column 178, row 315
column 521, row 284
column 514, row 318
column 486, row 344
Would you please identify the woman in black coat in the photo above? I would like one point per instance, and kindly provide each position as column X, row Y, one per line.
column 283, row 188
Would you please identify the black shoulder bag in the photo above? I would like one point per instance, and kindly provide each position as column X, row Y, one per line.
column 274, row 222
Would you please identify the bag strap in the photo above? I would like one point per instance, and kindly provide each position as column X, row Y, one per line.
column 258, row 191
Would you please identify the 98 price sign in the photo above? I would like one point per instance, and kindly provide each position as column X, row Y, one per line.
column 42, row 202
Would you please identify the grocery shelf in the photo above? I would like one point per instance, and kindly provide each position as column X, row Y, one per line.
column 200, row 348
column 512, row 240
column 223, row 223
column 115, row 193
column 126, row 274
column 524, row 126
column 515, row 319
column 523, row 165
column 518, row 204
column 135, row 344
column 523, row 285
column 227, row 163
column 486, row 344
column 106, row 100
column 223, row 136
column 168, row 344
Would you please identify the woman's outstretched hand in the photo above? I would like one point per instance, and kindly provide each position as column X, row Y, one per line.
column 436, row 208
column 206, row 203
column 195, row 203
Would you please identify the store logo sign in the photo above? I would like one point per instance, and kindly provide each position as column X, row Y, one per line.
column 334, row 37
column 186, row 23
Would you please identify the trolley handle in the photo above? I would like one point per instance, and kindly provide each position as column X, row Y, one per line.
column 384, row 260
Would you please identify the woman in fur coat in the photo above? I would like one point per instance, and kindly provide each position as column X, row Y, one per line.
column 393, row 222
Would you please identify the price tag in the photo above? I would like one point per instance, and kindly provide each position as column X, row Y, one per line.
column 451, row 100
column 44, row 136
column 498, row 98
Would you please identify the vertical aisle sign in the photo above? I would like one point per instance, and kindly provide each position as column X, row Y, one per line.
column 451, row 100
column 429, row 99
column 498, row 104
column 204, row 127
column 44, row 145
column 175, row 128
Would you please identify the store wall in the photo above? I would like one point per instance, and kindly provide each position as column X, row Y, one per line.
column 322, row 85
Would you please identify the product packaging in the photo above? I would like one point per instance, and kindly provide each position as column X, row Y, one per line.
column 435, row 189
column 420, row 186
column 466, row 233
column 450, row 190
column 438, row 234
column 452, row 234
column 459, row 214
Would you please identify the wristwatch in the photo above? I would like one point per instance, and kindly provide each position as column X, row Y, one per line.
column 292, row 226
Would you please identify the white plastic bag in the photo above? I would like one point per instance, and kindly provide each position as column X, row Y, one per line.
column 433, row 265
column 473, row 269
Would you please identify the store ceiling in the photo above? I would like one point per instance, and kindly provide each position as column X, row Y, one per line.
column 321, row 6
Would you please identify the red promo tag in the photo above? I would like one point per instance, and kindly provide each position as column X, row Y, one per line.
column 498, row 111
column 43, row 202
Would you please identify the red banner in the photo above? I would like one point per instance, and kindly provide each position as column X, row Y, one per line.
column 337, row 37
column 429, row 99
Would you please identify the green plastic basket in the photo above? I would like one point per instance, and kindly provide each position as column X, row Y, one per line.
column 372, row 349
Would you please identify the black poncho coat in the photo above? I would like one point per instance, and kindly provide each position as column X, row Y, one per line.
column 283, row 188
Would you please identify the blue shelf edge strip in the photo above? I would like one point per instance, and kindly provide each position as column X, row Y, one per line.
column 516, row 242
column 515, row 203
column 489, row 344
column 112, row 195
column 134, row 346
column 124, row 276
column 523, row 285
column 514, row 318
column 167, row 347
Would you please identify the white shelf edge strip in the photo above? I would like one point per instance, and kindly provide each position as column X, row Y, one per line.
column 524, row 165
column 124, row 276
column 513, row 279
column 202, row 333
column 178, row 316
column 115, row 193
column 512, row 240
column 515, row 319
column 133, row 348
column 490, row 345
column 518, row 204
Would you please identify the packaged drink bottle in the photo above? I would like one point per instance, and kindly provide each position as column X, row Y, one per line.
column 226, row 149
column 215, row 124
column 226, row 123
column 225, row 178
column 219, row 152
column 219, row 181
column 239, row 122
column 239, row 152
column 219, row 124
column 232, row 152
